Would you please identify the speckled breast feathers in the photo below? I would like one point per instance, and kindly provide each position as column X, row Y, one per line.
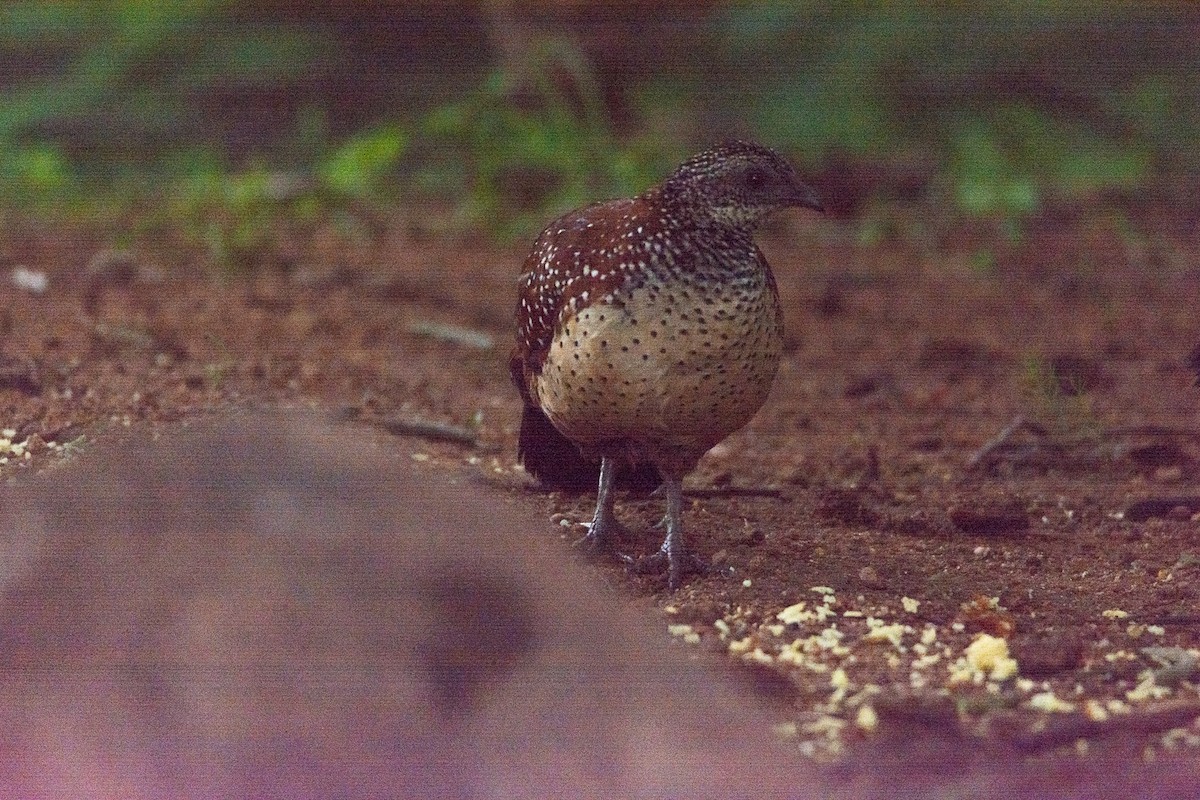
column 645, row 334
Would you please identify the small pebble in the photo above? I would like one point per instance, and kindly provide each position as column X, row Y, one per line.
column 27, row 280
column 870, row 578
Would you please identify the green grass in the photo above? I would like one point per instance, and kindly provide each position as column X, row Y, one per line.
column 1056, row 403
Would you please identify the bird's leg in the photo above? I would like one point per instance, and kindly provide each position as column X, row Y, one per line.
column 604, row 527
column 662, row 523
column 672, row 555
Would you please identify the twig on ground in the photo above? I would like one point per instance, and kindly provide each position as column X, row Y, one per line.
column 1150, row 507
column 455, row 334
column 1151, row 430
column 121, row 334
column 734, row 491
column 998, row 441
column 428, row 429
column 1067, row 729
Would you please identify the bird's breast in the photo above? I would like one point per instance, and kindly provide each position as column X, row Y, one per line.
column 677, row 362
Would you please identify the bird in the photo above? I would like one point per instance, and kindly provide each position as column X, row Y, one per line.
column 647, row 331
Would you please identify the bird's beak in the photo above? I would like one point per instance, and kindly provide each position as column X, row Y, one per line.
column 804, row 196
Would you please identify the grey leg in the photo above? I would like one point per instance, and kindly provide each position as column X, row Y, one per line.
column 604, row 527
column 673, row 544
column 672, row 555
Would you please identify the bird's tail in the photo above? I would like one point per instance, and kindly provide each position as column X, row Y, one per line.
column 557, row 463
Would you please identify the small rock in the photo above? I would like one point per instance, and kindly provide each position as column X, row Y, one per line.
column 1181, row 512
column 722, row 478
column 983, row 613
column 21, row 374
column 871, row 579
column 1171, row 474
column 1048, row 654
column 1175, row 664
column 1158, row 456
column 1145, row 510
column 28, row 280
column 864, row 385
column 991, row 520
column 748, row 535
column 115, row 266
column 848, row 506
column 795, row 476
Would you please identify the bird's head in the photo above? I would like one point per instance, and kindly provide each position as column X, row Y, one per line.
column 738, row 184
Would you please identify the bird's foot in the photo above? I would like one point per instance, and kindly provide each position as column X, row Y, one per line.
column 600, row 538
column 676, row 562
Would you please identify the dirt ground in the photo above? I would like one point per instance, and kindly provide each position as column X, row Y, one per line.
column 969, row 507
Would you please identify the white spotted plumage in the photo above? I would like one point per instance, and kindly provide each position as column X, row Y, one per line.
column 650, row 329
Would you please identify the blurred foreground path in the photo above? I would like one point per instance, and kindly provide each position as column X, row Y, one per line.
column 270, row 606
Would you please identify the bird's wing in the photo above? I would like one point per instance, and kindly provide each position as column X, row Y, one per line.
column 571, row 266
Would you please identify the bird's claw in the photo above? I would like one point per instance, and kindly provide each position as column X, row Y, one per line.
column 599, row 540
column 677, row 565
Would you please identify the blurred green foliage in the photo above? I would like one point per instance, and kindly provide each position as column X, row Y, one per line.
column 238, row 215
column 522, row 145
column 1057, row 402
column 1013, row 104
column 361, row 165
column 1003, row 162
column 1019, row 101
